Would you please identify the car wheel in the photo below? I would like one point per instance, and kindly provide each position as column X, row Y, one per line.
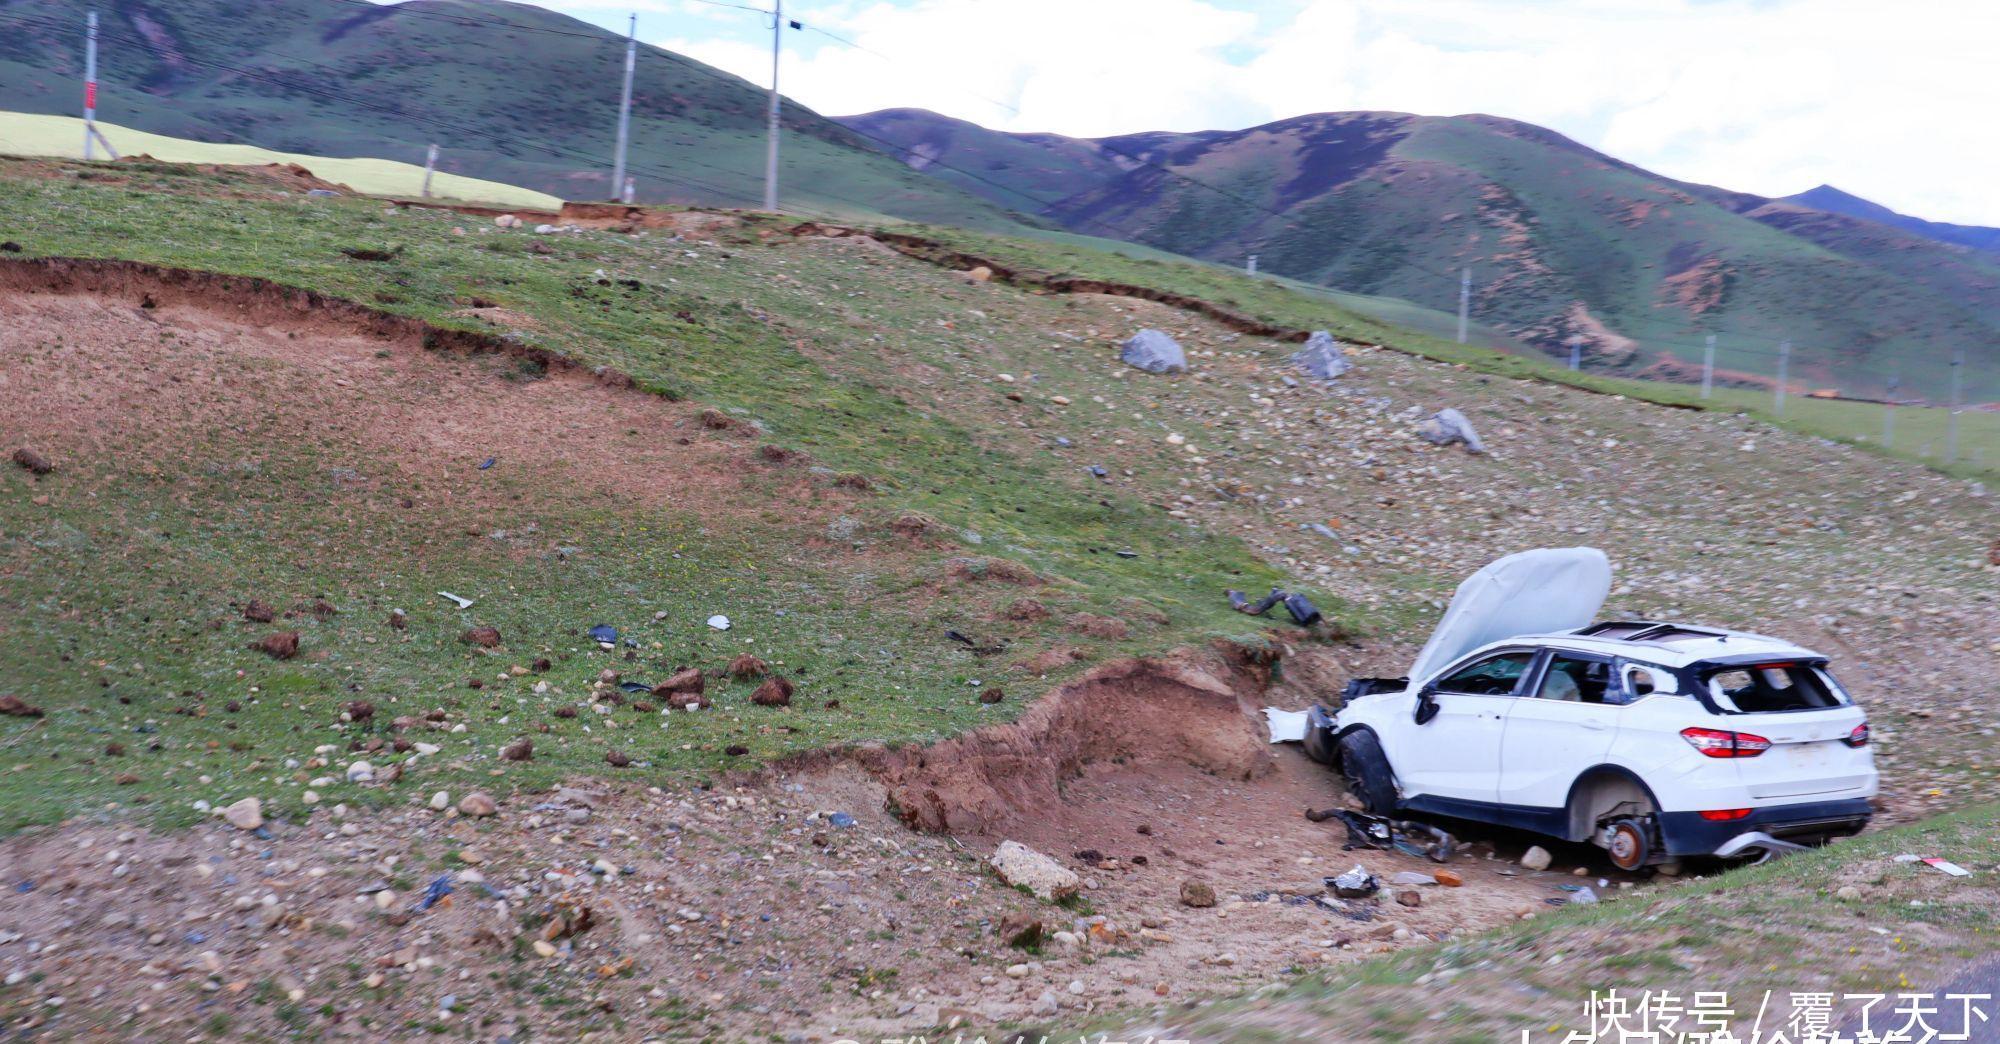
column 1366, row 770
column 1628, row 845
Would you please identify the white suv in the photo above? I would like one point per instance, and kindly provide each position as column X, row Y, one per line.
column 1655, row 741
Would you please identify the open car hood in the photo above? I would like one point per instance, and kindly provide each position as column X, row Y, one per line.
column 1533, row 592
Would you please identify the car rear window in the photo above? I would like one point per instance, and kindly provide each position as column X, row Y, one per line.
column 1764, row 688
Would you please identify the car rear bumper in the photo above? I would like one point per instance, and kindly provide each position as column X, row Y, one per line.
column 1687, row 834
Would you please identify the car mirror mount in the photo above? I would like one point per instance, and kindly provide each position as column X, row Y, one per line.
column 1427, row 704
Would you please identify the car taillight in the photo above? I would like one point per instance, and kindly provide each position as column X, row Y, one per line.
column 1859, row 737
column 1724, row 815
column 1721, row 743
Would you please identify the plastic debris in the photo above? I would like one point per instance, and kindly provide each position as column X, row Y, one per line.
column 604, row 634
column 842, row 820
column 487, row 463
column 1948, row 867
column 719, row 622
column 1357, row 883
column 1286, row 726
column 635, row 686
column 463, row 603
column 1411, row 877
column 1302, row 611
column 439, row 887
column 1366, row 831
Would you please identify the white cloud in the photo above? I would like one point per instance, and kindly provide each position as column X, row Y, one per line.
column 1771, row 96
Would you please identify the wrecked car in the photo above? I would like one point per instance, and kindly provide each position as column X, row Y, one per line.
column 1655, row 741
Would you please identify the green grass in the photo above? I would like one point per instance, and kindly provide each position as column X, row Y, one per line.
column 120, row 587
column 61, row 137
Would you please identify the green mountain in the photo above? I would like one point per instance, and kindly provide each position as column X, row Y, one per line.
column 511, row 93
column 1563, row 241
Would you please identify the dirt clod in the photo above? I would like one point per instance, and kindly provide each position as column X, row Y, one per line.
column 1409, row 897
column 399, row 620
column 745, row 667
column 358, row 710
column 616, row 759
column 992, row 694
column 281, row 646
column 775, row 692
column 522, row 749
column 34, row 462
column 1020, row 930
column 14, row 706
column 1197, row 894
column 1092, row 625
column 484, row 637
column 1026, row 610
column 257, row 612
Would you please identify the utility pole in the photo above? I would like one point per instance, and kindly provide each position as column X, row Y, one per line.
column 625, row 106
column 631, row 187
column 1784, row 372
column 91, row 135
column 771, row 153
column 1889, row 412
column 1708, row 368
column 1951, row 419
column 1464, row 300
column 430, row 167
column 1250, row 266
column 1575, row 352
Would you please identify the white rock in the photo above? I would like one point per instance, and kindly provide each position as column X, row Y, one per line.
column 1023, row 867
column 1537, row 858
column 360, row 772
column 247, row 814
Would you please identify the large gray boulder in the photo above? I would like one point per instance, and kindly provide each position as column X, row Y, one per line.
column 1154, row 352
column 1322, row 357
column 1447, row 426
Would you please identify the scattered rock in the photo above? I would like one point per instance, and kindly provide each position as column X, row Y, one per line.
column 258, row 612
column 34, row 462
column 1322, row 357
column 1448, row 426
column 745, row 667
column 616, row 759
column 357, row 710
column 484, row 637
column 281, row 646
column 477, row 804
column 689, row 680
column 247, row 814
column 991, row 694
column 1410, row 897
column 1197, row 894
column 361, row 772
column 522, row 749
column 1448, row 878
column 398, row 619
column 979, row 273
column 1023, row 867
column 775, row 692
column 1154, row 352
column 1536, row 858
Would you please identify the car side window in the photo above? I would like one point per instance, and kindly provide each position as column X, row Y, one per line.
column 1575, row 679
column 1493, row 676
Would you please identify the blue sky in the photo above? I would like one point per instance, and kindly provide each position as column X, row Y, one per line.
column 1890, row 101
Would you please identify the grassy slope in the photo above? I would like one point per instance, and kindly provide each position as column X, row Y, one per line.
column 328, row 78
column 1919, row 429
column 22, row 134
column 79, row 624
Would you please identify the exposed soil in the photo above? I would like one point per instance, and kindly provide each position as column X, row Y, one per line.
column 208, row 360
column 733, row 913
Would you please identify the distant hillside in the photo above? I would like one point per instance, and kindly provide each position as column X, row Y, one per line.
column 512, row 92
column 1833, row 200
column 1563, row 241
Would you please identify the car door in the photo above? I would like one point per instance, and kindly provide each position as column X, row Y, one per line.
column 1456, row 754
column 1563, row 725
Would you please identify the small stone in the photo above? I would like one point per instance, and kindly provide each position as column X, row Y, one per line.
column 522, row 749
column 247, row 814
column 1019, row 930
column 477, row 804
column 484, row 637
column 1197, row 894
column 1536, row 858
column 1448, row 878
column 1017, row 971
column 440, row 801
column 616, row 759
column 775, row 692
column 360, row 772
column 1410, row 897
column 1848, row 892
column 1023, row 867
